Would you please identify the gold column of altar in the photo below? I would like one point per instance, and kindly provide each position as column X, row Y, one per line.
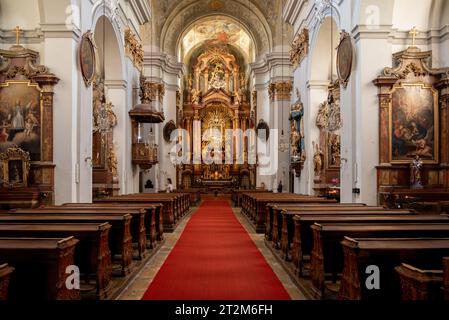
column 217, row 97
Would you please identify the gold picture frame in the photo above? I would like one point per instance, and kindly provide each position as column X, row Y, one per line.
column 413, row 123
column 87, row 58
column 15, row 167
column 15, row 100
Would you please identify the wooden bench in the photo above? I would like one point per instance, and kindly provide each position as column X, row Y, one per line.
column 256, row 205
column 236, row 195
column 418, row 284
column 92, row 254
column 5, row 275
column 283, row 227
column 138, row 229
column 168, row 217
column 40, row 268
column 153, row 220
column 385, row 254
column 327, row 253
column 120, row 240
column 284, row 230
column 303, row 238
column 276, row 208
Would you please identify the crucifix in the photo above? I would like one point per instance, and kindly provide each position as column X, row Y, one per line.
column 17, row 30
column 414, row 33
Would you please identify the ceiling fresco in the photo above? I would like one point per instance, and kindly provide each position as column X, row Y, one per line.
column 260, row 18
column 217, row 31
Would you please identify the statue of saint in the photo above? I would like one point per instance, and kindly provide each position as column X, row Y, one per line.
column 415, row 177
column 318, row 160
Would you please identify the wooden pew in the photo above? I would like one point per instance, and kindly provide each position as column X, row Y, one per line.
column 256, row 205
column 236, row 195
column 120, row 240
column 138, row 230
column 168, row 216
column 181, row 200
column 327, row 253
column 5, row 275
column 303, row 238
column 386, row 254
column 153, row 221
column 40, row 267
column 276, row 208
column 92, row 254
column 418, row 284
column 284, row 229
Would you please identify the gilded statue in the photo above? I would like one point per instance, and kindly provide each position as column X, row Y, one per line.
column 196, row 96
column 323, row 116
column 318, row 159
column 112, row 161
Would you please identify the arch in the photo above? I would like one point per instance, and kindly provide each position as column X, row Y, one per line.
column 323, row 43
column 114, row 40
column 255, row 23
column 110, row 60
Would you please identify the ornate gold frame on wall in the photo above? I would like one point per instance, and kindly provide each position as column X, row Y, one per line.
column 436, row 122
column 89, row 39
column 8, row 83
column 15, row 154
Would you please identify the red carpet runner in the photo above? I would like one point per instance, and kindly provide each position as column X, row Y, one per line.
column 215, row 259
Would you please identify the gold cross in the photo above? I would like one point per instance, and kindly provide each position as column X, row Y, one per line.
column 17, row 31
column 414, row 32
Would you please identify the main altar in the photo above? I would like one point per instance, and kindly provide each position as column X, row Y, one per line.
column 216, row 100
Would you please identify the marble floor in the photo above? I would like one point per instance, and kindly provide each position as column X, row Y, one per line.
column 137, row 286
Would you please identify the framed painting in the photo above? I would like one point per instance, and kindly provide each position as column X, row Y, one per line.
column 413, row 123
column 20, row 117
column 87, row 58
column 15, row 165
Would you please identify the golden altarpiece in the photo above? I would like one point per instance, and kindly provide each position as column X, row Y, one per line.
column 26, row 129
column 216, row 98
column 413, row 122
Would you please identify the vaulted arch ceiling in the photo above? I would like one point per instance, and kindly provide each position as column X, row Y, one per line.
column 259, row 17
column 213, row 31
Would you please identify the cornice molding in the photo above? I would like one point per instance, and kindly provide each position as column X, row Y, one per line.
column 38, row 35
column 141, row 10
column 167, row 63
column 270, row 61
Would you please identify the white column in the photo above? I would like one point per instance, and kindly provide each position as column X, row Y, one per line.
column 116, row 94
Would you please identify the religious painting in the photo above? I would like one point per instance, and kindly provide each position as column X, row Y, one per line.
column 414, row 123
column 87, row 58
column 20, row 117
column 14, row 167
